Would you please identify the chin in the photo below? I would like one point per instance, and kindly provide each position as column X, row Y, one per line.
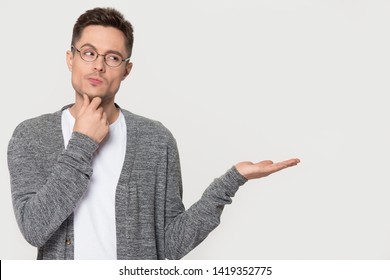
column 92, row 94
column 102, row 96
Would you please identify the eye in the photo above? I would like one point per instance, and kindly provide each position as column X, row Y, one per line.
column 88, row 53
column 113, row 57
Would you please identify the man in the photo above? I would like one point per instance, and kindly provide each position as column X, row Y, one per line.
column 94, row 181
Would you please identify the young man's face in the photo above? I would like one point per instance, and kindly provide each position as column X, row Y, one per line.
column 96, row 78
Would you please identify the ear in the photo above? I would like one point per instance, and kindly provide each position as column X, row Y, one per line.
column 128, row 68
column 69, row 60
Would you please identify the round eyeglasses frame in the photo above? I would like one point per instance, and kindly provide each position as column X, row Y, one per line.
column 97, row 55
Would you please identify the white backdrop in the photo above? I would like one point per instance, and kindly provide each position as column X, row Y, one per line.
column 234, row 81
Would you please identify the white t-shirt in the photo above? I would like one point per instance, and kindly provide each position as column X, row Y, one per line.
column 94, row 217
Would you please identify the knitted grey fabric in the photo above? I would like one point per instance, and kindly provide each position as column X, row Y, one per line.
column 48, row 181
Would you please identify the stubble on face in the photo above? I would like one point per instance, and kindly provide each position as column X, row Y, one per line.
column 96, row 79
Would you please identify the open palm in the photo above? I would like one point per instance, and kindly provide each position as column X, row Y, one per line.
column 263, row 168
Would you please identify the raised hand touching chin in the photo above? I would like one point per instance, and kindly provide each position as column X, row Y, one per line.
column 91, row 120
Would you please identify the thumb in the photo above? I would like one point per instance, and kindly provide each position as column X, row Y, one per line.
column 264, row 163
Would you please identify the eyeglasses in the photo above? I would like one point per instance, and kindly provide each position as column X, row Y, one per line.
column 90, row 54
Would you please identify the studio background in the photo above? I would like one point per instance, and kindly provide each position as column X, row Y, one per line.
column 235, row 81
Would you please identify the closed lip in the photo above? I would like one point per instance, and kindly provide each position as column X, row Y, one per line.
column 95, row 80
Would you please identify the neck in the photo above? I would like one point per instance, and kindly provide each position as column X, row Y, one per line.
column 108, row 106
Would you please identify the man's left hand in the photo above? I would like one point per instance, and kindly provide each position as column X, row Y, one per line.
column 263, row 168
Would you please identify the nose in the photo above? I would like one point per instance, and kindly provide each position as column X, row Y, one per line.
column 99, row 64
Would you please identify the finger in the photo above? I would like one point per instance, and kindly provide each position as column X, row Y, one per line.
column 100, row 111
column 95, row 103
column 283, row 164
column 85, row 104
column 291, row 162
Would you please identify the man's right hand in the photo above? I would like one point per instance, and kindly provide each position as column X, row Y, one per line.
column 92, row 120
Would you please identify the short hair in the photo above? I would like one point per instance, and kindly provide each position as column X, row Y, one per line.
column 108, row 17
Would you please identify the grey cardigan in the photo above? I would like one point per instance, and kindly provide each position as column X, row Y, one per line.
column 48, row 181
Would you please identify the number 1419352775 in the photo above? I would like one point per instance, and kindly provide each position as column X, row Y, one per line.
column 242, row 270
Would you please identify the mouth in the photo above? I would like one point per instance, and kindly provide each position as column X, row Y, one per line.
column 95, row 81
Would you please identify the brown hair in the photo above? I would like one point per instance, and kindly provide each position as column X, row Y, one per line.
column 104, row 17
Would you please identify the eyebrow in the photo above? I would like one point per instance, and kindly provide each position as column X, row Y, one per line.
column 109, row 51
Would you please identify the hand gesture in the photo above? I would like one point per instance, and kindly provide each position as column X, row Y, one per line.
column 92, row 120
column 264, row 168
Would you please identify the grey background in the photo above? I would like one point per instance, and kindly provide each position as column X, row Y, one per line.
column 238, row 80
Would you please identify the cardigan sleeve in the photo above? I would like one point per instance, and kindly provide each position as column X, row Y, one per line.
column 187, row 229
column 43, row 198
